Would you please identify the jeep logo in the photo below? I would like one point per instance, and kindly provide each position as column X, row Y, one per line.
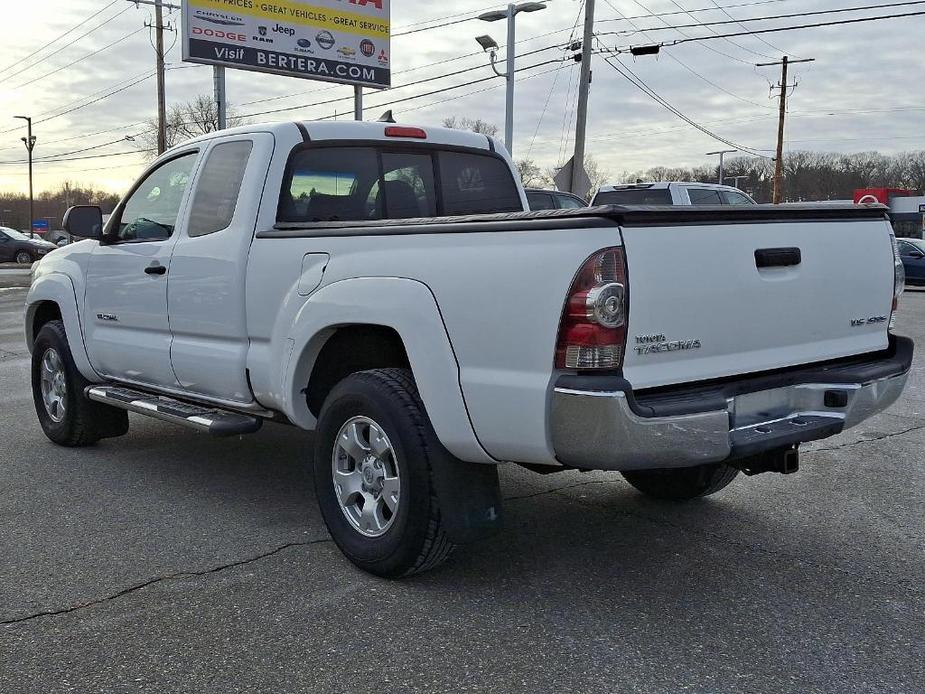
column 278, row 29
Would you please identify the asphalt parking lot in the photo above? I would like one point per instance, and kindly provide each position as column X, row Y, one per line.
column 166, row 561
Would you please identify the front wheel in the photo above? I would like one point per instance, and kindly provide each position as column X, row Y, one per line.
column 374, row 453
column 682, row 484
column 67, row 417
column 23, row 257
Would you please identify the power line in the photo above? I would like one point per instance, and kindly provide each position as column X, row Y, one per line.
column 401, row 86
column 65, row 46
column 766, row 18
column 726, row 12
column 729, row 41
column 670, row 26
column 80, row 59
column 655, row 15
column 59, row 37
column 692, row 70
column 676, row 42
column 637, row 82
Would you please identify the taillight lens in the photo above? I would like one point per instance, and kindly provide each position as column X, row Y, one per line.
column 899, row 279
column 592, row 332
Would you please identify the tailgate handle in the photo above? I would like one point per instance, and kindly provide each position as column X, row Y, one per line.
column 777, row 257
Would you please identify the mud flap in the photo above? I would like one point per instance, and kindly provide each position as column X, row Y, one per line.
column 470, row 499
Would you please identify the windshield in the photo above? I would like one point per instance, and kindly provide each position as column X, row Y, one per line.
column 634, row 196
column 13, row 234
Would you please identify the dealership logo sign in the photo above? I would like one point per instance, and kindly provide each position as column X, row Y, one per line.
column 325, row 39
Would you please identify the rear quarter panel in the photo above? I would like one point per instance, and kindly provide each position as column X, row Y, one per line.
column 499, row 294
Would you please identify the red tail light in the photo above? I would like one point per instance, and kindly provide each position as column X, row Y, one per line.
column 402, row 131
column 592, row 332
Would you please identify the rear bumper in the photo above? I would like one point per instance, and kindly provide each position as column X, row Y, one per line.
column 598, row 422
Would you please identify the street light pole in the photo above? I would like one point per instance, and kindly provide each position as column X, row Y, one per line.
column 509, row 96
column 487, row 43
column 29, row 141
column 722, row 154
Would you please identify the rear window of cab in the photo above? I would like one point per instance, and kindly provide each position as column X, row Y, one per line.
column 334, row 183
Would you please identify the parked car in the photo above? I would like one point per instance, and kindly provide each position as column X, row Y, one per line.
column 383, row 286
column 539, row 199
column 16, row 247
column 670, row 193
column 912, row 253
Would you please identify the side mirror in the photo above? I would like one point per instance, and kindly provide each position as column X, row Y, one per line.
column 85, row 221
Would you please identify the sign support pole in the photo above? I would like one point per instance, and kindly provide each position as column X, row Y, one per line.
column 357, row 102
column 221, row 104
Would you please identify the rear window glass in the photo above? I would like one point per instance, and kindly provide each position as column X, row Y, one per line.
column 476, row 184
column 634, row 196
column 361, row 183
column 330, row 184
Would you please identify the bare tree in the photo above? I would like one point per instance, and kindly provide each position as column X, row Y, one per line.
column 476, row 125
column 531, row 174
column 187, row 120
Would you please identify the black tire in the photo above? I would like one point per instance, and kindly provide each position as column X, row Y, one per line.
column 682, row 484
column 415, row 540
column 84, row 422
column 24, row 258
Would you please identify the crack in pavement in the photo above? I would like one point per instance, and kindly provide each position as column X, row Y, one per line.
column 656, row 521
column 871, row 440
column 159, row 579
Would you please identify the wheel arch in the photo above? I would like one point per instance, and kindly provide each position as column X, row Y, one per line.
column 367, row 323
column 52, row 297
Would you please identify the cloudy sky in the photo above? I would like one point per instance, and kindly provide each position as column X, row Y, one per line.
column 862, row 93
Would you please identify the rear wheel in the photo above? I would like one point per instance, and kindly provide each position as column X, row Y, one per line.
column 67, row 417
column 682, row 484
column 23, row 257
column 374, row 452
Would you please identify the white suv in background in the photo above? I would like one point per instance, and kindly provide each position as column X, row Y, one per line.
column 670, row 193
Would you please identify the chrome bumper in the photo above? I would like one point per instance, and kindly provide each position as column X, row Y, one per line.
column 600, row 431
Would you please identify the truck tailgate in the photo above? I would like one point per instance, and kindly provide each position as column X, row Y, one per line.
column 721, row 298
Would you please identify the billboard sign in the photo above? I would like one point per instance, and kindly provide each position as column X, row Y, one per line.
column 39, row 226
column 345, row 41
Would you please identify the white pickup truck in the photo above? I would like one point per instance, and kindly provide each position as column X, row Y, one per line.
column 381, row 285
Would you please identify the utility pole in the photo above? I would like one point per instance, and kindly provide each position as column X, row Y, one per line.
column 29, row 141
column 778, row 195
column 161, row 97
column 159, row 27
column 584, row 84
column 722, row 153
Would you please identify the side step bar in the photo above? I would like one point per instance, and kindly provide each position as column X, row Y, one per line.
column 200, row 417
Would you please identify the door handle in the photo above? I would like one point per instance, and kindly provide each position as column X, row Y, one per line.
column 777, row 257
column 156, row 269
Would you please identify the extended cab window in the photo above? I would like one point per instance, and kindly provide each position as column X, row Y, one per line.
column 476, row 184
column 150, row 212
column 218, row 188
